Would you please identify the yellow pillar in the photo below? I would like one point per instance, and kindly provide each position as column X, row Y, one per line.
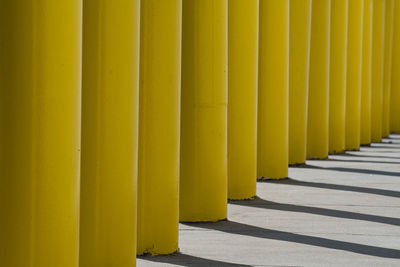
column 387, row 67
column 203, row 183
column 354, row 67
column 109, row 133
column 242, row 108
column 366, row 75
column 337, row 80
column 300, row 32
column 40, row 88
column 273, row 98
column 378, row 41
column 318, row 105
column 395, row 79
column 159, row 126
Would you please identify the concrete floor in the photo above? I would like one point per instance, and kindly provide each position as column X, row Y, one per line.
column 344, row 211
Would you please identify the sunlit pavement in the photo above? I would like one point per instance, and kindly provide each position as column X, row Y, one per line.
column 344, row 211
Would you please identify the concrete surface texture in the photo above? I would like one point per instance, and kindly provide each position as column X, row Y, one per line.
column 344, row 211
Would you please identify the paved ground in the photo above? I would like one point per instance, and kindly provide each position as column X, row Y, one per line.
column 344, row 211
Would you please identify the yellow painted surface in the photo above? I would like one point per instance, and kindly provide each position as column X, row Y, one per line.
column 318, row 102
column 40, row 87
column 109, row 133
column 387, row 67
column 378, row 41
column 395, row 86
column 273, row 98
column 337, row 80
column 242, row 108
column 365, row 125
column 354, row 75
column 203, row 183
column 300, row 33
column 159, row 126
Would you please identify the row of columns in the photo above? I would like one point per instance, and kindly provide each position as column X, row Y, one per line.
column 116, row 121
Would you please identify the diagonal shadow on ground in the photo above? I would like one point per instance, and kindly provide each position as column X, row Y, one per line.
column 384, row 148
column 361, row 161
column 188, row 260
column 365, row 171
column 261, row 203
column 382, row 192
column 352, row 155
column 254, row 231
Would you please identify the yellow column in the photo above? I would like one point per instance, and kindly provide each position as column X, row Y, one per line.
column 109, row 133
column 203, row 183
column 40, row 88
column 242, row 108
column 273, row 99
column 354, row 67
column 300, row 32
column 337, row 80
column 318, row 106
column 159, row 126
column 387, row 67
column 378, row 41
column 365, row 125
column 395, row 79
